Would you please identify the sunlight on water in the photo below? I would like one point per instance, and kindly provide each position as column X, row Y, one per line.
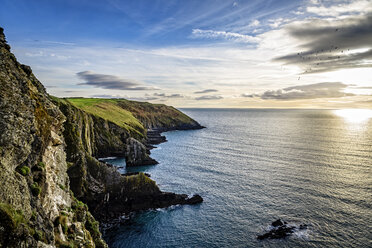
column 354, row 115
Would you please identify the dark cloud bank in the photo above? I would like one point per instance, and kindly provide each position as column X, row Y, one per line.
column 109, row 82
column 331, row 45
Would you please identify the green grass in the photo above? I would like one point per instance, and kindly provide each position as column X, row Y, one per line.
column 109, row 109
column 131, row 114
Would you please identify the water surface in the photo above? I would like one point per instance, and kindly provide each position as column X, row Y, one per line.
column 254, row 166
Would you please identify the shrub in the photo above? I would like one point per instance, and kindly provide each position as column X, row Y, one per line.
column 35, row 189
column 61, row 186
column 33, row 216
column 39, row 167
column 38, row 235
column 62, row 220
column 10, row 218
column 23, row 170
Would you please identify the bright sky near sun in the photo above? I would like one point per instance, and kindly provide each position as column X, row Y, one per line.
column 211, row 53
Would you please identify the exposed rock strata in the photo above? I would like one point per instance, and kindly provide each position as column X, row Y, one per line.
column 34, row 188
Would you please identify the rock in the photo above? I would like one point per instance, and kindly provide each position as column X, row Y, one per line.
column 26, row 69
column 135, row 173
column 137, row 154
column 303, row 226
column 279, row 230
column 195, row 199
column 32, row 136
column 276, row 223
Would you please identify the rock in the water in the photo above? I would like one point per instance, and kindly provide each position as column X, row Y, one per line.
column 276, row 223
column 195, row 199
column 279, row 230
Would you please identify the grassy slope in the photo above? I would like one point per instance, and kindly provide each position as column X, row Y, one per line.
column 131, row 115
column 108, row 109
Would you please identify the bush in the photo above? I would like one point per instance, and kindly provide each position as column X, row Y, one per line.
column 23, row 170
column 61, row 186
column 38, row 235
column 62, row 220
column 35, row 189
column 33, row 216
column 10, row 218
column 39, row 167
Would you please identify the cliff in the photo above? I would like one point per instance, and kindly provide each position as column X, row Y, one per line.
column 49, row 172
column 36, row 206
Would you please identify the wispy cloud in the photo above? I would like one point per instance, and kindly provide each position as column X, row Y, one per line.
column 209, row 97
column 110, row 82
column 235, row 37
column 205, row 91
column 310, row 91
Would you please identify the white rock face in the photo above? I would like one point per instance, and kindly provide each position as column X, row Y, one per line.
column 57, row 197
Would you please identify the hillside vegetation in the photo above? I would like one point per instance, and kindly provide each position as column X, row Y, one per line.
column 133, row 116
column 109, row 109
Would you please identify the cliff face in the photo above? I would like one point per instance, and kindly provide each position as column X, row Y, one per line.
column 99, row 137
column 34, row 188
column 49, row 173
column 107, row 193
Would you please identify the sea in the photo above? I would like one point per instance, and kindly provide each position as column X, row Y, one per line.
column 254, row 166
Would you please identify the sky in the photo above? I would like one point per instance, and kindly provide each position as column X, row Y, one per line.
column 210, row 53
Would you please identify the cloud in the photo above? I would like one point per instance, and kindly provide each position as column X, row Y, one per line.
column 110, row 82
column 108, row 96
column 355, row 6
column 168, row 96
column 329, row 45
column 275, row 23
column 310, row 91
column 205, row 91
column 235, row 37
column 142, row 99
column 254, row 23
column 249, row 95
column 208, row 97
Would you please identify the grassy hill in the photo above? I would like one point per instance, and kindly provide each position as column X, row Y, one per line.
column 134, row 116
column 109, row 109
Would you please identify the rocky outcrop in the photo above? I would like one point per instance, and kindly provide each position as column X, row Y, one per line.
column 280, row 229
column 108, row 193
column 34, row 189
column 137, row 154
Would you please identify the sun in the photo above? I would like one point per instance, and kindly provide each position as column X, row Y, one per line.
column 354, row 115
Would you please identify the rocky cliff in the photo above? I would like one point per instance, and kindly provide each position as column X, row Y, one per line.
column 49, row 172
column 37, row 209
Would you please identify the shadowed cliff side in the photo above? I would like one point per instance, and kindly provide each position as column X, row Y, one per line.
column 108, row 193
column 142, row 121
